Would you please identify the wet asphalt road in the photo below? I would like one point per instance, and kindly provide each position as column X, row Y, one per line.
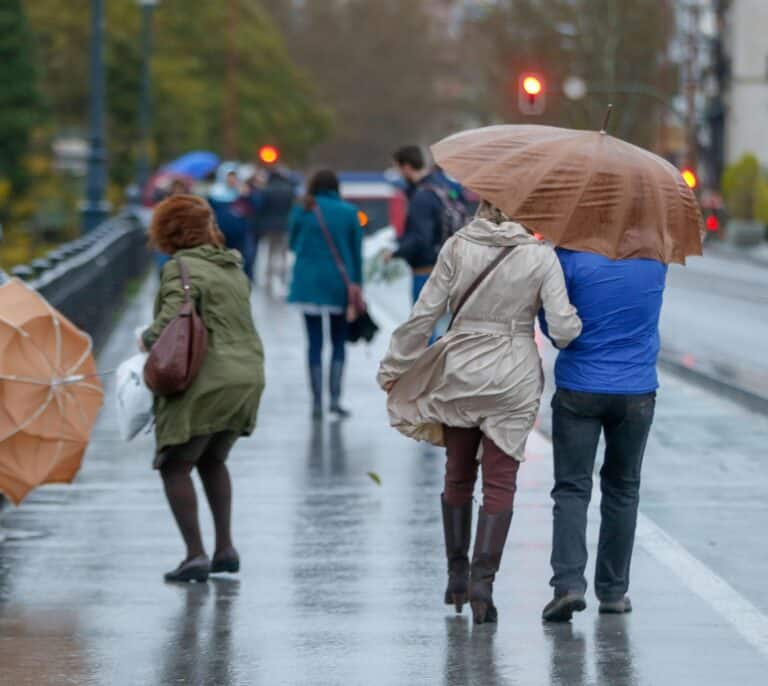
column 342, row 578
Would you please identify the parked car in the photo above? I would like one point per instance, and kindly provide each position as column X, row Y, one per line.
column 380, row 204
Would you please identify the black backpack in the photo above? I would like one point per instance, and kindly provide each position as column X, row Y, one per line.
column 455, row 213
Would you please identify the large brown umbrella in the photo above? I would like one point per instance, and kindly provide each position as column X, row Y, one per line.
column 50, row 395
column 583, row 190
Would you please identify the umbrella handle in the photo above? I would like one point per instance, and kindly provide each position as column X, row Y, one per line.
column 607, row 119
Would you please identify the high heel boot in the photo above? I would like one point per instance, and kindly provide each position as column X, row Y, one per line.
column 457, row 528
column 492, row 530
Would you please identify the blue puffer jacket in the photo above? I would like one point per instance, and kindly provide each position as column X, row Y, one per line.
column 316, row 278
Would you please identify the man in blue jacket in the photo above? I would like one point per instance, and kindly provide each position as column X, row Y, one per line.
column 606, row 383
column 423, row 235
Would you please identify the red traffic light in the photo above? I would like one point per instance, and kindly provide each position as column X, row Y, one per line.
column 713, row 223
column 269, row 154
column 532, row 85
column 690, row 178
column 531, row 94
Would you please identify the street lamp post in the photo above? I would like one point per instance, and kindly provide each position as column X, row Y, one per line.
column 96, row 207
column 143, row 166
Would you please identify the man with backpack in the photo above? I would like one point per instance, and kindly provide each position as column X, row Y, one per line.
column 433, row 216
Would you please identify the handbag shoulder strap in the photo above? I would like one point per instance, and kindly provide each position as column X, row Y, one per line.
column 479, row 280
column 185, row 280
column 331, row 245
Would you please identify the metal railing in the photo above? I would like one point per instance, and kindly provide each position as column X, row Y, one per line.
column 87, row 280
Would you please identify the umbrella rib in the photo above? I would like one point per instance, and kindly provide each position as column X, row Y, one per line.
column 35, row 416
column 584, row 185
column 84, row 356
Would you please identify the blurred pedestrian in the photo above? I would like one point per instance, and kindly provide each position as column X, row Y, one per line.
column 422, row 237
column 278, row 197
column 606, row 384
column 326, row 237
column 198, row 428
column 230, row 207
column 477, row 390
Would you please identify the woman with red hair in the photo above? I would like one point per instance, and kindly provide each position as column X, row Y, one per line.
column 197, row 428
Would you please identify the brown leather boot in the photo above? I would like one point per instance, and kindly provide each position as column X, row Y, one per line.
column 457, row 529
column 491, row 536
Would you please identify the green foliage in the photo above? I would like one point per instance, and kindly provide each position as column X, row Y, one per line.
column 218, row 68
column 619, row 47
column 745, row 190
column 20, row 106
column 378, row 63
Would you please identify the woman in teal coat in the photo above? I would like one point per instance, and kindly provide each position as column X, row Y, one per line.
column 318, row 286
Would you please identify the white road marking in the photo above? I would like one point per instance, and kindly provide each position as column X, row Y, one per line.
column 750, row 623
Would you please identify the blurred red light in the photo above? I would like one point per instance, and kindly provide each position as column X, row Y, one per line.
column 269, row 154
column 713, row 223
column 532, row 85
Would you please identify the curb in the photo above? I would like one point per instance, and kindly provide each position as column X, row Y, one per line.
column 735, row 255
column 749, row 399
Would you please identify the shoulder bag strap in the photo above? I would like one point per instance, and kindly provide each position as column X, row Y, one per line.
column 185, row 282
column 479, row 280
column 332, row 245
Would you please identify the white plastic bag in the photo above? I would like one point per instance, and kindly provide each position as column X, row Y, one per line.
column 134, row 399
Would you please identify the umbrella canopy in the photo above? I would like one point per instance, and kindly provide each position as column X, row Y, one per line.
column 582, row 190
column 50, row 395
column 197, row 164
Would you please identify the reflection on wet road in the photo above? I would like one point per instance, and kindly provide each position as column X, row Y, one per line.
column 342, row 578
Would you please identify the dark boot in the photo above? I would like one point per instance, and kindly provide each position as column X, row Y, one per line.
column 489, row 544
column 337, row 373
column 316, row 382
column 457, row 528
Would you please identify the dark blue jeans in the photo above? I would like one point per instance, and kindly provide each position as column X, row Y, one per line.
column 314, row 323
column 578, row 419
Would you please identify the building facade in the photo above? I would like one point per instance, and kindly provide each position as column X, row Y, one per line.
column 747, row 97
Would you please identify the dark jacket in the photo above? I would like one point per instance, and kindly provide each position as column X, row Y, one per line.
column 422, row 239
column 277, row 199
column 316, row 278
column 225, row 396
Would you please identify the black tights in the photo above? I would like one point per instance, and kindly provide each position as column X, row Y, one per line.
column 180, row 492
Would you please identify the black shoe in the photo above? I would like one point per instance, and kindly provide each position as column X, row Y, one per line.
column 616, row 607
column 491, row 536
column 196, row 569
column 561, row 608
column 226, row 562
column 457, row 530
column 339, row 411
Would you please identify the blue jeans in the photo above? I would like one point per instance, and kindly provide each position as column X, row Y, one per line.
column 419, row 281
column 314, row 323
column 578, row 419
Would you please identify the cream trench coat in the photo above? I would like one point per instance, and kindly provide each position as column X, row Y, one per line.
column 486, row 372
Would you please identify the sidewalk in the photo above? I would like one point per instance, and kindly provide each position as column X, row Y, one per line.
column 342, row 579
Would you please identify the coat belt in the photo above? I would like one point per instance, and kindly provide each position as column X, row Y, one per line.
column 513, row 328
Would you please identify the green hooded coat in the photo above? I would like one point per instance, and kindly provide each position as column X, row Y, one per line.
column 225, row 396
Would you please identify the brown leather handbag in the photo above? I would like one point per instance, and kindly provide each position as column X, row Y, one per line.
column 176, row 357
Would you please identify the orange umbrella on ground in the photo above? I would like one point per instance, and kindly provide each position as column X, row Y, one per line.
column 50, row 394
column 583, row 190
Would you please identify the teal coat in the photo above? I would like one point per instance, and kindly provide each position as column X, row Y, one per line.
column 225, row 396
column 316, row 278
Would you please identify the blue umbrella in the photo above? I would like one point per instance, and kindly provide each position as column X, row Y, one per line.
column 197, row 164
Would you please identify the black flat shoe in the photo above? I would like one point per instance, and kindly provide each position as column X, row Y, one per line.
column 197, row 569
column 227, row 563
